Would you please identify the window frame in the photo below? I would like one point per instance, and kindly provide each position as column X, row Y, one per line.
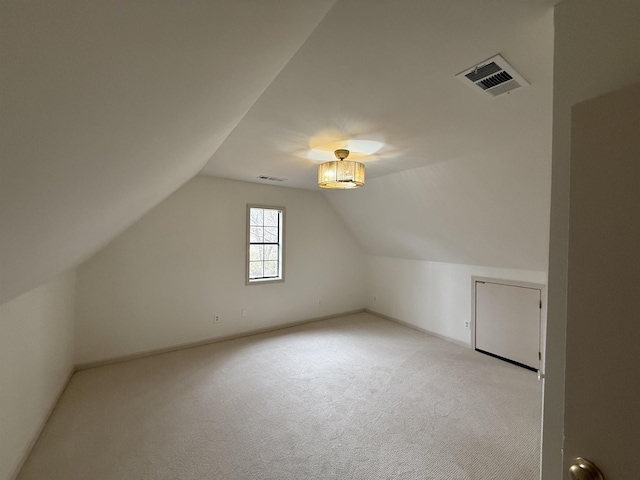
column 281, row 243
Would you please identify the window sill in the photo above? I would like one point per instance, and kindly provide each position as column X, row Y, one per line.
column 262, row 281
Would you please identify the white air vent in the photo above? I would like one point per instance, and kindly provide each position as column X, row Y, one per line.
column 271, row 179
column 493, row 76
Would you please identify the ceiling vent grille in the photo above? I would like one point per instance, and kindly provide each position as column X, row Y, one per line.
column 271, row 179
column 494, row 76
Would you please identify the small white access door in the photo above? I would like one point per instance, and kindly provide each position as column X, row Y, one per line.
column 508, row 320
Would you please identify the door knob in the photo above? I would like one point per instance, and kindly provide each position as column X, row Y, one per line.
column 585, row 470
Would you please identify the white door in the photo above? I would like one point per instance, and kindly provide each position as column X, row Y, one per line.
column 602, row 381
column 507, row 322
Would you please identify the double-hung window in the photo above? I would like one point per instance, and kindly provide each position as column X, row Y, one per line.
column 265, row 246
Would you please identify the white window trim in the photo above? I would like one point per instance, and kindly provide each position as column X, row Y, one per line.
column 263, row 281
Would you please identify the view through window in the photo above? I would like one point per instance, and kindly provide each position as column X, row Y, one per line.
column 265, row 243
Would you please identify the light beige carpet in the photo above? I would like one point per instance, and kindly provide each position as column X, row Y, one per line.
column 356, row 397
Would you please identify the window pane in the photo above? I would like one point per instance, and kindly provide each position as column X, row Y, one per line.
column 255, row 270
column 256, row 235
column 270, row 269
column 271, row 252
column 271, row 234
column 256, row 253
column 271, row 218
column 264, row 232
column 256, row 216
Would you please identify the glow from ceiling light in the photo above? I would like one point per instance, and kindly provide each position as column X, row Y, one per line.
column 364, row 147
column 320, row 155
column 358, row 149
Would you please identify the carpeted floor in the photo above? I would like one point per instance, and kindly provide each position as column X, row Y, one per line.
column 355, row 397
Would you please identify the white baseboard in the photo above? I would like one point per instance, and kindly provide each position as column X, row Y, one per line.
column 148, row 353
column 415, row 327
column 199, row 343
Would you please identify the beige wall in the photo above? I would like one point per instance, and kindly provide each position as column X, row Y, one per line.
column 161, row 282
column 36, row 360
column 433, row 296
column 596, row 51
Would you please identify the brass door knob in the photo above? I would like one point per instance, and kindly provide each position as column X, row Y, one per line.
column 585, row 470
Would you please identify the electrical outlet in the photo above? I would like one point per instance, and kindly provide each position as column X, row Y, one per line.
column 467, row 325
column 216, row 319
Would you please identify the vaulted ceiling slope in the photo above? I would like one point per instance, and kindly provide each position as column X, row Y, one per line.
column 109, row 106
column 462, row 177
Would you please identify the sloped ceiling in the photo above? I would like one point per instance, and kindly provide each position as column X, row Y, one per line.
column 462, row 177
column 385, row 71
column 108, row 107
column 490, row 209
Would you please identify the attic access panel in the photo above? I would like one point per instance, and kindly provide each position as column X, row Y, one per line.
column 494, row 76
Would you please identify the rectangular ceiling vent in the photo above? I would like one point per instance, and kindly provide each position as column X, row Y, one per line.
column 271, row 179
column 494, row 76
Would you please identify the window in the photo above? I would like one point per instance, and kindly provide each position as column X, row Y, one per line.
column 265, row 232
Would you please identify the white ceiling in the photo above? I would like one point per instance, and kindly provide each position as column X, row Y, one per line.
column 384, row 70
column 109, row 107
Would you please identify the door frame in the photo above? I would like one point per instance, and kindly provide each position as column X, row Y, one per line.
column 514, row 283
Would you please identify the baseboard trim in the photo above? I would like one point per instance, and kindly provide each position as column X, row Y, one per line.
column 420, row 329
column 208, row 341
column 43, row 423
column 184, row 346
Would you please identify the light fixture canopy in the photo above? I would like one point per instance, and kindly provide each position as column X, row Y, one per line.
column 341, row 173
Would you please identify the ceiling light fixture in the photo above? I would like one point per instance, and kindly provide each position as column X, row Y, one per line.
column 340, row 173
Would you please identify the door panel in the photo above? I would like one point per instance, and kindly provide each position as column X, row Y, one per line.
column 602, row 377
column 507, row 322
